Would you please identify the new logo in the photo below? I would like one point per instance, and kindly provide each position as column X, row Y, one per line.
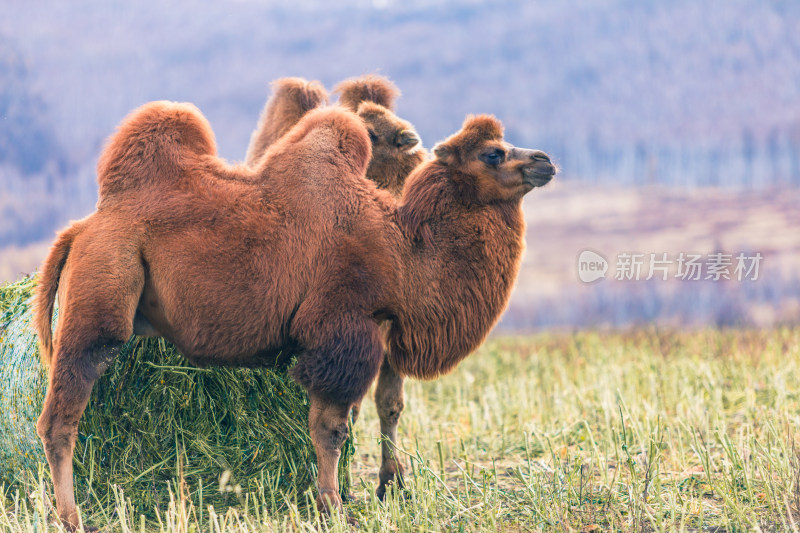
column 591, row 266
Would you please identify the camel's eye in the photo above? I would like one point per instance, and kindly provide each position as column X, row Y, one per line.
column 493, row 157
column 372, row 136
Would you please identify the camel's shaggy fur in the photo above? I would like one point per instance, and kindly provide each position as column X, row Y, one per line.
column 291, row 99
column 396, row 147
column 302, row 254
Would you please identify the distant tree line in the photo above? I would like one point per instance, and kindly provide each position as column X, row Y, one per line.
column 620, row 92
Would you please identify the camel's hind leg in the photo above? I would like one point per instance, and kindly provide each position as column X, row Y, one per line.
column 71, row 379
column 389, row 401
column 96, row 319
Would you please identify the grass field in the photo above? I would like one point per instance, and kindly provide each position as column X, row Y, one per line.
column 643, row 431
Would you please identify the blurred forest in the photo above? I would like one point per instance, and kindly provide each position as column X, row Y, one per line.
column 623, row 93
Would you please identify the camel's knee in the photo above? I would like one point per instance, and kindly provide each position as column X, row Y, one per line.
column 389, row 394
column 44, row 428
column 71, row 380
column 328, row 425
column 390, row 409
column 331, row 436
column 337, row 436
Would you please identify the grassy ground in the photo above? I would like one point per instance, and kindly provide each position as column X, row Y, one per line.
column 588, row 432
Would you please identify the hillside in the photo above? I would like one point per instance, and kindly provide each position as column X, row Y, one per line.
column 565, row 219
column 568, row 217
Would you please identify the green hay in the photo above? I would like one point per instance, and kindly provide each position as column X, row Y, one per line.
column 153, row 418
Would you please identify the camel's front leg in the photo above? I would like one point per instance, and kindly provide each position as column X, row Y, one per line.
column 342, row 359
column 389, row 401
column 328, row 425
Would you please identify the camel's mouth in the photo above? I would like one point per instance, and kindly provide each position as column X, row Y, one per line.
column 538, row 173
column 537, row 181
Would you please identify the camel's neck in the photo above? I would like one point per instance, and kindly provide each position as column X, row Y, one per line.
column 458, row 278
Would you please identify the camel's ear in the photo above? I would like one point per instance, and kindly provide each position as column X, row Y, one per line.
column 443, row 152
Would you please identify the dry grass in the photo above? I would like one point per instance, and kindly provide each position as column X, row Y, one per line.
column 645, row 431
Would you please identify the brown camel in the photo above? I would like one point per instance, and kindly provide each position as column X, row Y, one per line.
column 396, row 147
column 396, row 151
column 309, row 257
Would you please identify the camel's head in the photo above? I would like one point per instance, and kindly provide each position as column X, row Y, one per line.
column 396, row 147
column 488, row 168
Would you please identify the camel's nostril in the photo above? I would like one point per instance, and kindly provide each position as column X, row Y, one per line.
column 538, row 155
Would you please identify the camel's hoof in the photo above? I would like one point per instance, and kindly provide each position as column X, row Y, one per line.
column 391, row 475
column 329, row 502
column 397, row 487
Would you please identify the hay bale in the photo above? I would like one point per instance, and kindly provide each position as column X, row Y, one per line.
column 153, row 414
